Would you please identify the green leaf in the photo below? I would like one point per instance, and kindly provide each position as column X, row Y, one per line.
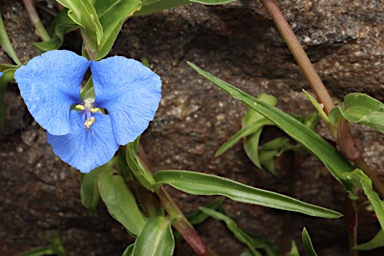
column 252, row 125
column 252, row 243
column 307, row 243
column 294, row 250
column 84, row 14
column 42, row 251
column 359, row 177
column 89, row 190
column 212, row 2
column 204, row 184
column 247, row 253
column 61, row 25
column 55, row 247
column 120, row 10
column 120, row 201
column 155, row 6
column 318, row 107
column 128, row 251
column 330, row 156
column 360, row 108
column 155, row 239
column 272, row 149
column 6, row 44
column 246, row 131
column 200, row 216
column 138, row 169
column 376, row 242
column 358, row 105
column 251, row 146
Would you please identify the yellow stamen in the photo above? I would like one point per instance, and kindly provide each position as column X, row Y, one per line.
column 80, row 107
column 94, row 110
column 89, row 122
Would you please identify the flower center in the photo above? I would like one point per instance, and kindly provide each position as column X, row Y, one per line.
column 88, row 111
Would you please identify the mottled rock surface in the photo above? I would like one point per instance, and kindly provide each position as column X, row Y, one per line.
column 237, row 42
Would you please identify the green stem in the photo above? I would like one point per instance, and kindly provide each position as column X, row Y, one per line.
column 6, row 44
column 299, row 54
column 35, row 19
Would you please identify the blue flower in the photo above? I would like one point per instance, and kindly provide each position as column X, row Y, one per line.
column 1, row 74
column 79, row 132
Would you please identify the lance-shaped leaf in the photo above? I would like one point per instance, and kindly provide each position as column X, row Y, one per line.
column 112, row 15
column 361, row 179
column 138, row 169
column 6, row 44
column 204, row 184
column 89, row 190
column 151, row 6
column 61, row 25
column 212, row 2
column 376, row 242
column 120, row 201
column 84, row 14
column 155, row 239
column 308, row 247
column 253, row 243
column 330, row 156
column 360, row 108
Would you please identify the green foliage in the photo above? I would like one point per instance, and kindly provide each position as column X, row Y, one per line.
column 61, row 25
column 138, row 169
column 100, row 23
column 155, row 239
column 201, row 216
column 360, row 178
column 120, row 201
column 112, row 15
column 6, row 44
column 294, row 250
column 151, row 6
column 308, row 247
column 330, row 156
column 252, row 126
column 376, row 242
column 360, row 108
column 212, row 2
column 204, row 184
column 84, row 14
column 272, row 149
column 253, row 243
column 54, row 248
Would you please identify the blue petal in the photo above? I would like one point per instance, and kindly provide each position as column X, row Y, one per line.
column 1, row 74
column 49, row 85
column 85, row 149
column 129, row 91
